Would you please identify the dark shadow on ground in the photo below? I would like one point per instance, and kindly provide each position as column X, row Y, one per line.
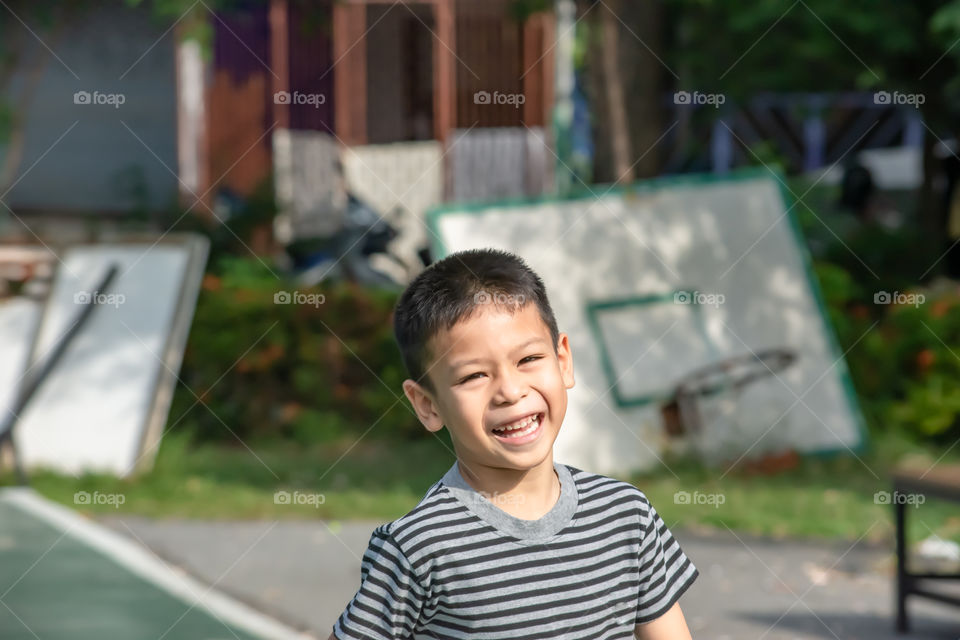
column 855, row 626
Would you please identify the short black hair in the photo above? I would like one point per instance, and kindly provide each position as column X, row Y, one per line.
column 453, row 289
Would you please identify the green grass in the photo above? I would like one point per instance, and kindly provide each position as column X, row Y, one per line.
column 372, row 479
column 820, row 498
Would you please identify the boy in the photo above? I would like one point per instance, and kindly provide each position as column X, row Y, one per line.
column 508, row 544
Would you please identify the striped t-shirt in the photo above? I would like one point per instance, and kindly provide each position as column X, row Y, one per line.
column 598, row 563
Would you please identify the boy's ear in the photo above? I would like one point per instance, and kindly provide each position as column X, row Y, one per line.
column 423, row 405
column 565, row 360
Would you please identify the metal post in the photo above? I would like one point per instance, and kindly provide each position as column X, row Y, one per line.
column 899, row 511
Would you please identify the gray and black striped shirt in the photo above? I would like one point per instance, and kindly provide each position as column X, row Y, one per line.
column 457, row 566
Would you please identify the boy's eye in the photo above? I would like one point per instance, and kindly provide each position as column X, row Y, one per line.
column 473, row 376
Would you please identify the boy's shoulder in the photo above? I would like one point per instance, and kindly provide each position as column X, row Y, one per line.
column 439, row 508
column 599, row 492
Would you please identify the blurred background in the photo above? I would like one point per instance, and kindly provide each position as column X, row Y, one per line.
column 746, row 214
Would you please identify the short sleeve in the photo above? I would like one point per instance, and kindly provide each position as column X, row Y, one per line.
column 665, row 571
column 388, row 604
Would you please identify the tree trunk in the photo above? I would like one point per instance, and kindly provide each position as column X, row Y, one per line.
column 645, row 75
column 932, row 200
column 619, row 129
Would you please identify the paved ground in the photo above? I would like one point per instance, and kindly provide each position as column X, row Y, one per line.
column 304, row 572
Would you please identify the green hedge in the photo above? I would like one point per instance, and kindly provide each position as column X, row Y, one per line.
column 304, row 371
column 905, row 368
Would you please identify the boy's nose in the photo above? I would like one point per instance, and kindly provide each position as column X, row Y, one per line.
column 511, row 389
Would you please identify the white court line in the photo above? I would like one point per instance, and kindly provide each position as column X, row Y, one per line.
column 137, row 560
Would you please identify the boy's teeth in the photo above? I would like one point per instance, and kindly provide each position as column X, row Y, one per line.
column 520, row 428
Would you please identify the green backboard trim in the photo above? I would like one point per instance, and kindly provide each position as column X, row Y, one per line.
column 593, row 311
column 833, row 343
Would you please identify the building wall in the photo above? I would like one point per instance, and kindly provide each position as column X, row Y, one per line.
column 239, row 101
column 107, row 155
column 311, row 63
column 399, row 73
column 386, row 77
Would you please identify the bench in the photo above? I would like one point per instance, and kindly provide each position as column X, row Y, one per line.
column 943, row 483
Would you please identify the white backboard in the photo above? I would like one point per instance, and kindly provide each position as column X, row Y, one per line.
column 104, row 405
column 733, row 249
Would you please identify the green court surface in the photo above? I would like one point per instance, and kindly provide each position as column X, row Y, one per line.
column 56, row 584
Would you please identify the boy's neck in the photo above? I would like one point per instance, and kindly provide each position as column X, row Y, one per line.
column 526, row 494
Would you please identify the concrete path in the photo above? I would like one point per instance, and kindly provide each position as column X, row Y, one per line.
column 303, row 573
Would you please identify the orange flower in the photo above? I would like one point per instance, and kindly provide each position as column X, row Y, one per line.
column 925, row 360
column 290, row 411
column 939, row 308
column 211, row 282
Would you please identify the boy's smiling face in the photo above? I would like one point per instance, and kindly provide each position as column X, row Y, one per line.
column 495, row 370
